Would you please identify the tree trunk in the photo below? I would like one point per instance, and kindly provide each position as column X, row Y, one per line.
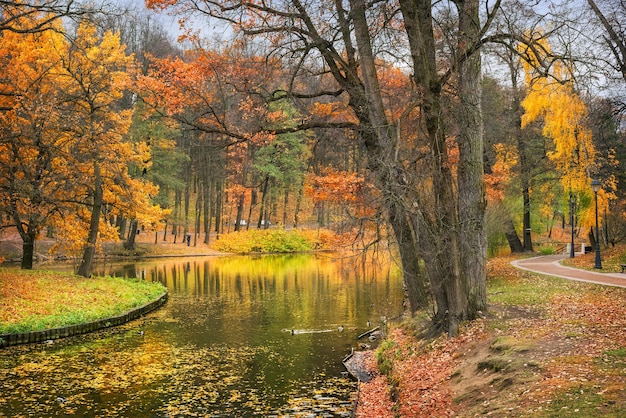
column 207, row 210
column 198, row 214
column 321, row 220
column 28, row 250
column 218, row 206
column 264, row 202
column 528, row 243
column 187, row 196
column 296, row 212
column 86, row 265
column 379, row 141
column 285, row 203
column 415, row 281
column 511, row 236
column 132, row 234
column 120, row 223
column 444, row 264
column 28, row 234
column 471, row 188
column 523, row 161
column 239, row 216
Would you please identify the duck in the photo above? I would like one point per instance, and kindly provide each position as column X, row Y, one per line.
column 340, row 329
column 369, row 323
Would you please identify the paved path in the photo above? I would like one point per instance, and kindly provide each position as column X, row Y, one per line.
column 549, row 265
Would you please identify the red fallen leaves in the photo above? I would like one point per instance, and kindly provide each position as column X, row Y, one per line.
column 375, row 399
column 374, row 396
column 603, row 313
column 420, row 374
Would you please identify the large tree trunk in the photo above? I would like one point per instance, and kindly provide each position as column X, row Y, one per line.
column 512, row 238
column 442, row 257
column 471, row 188
column 28, row 250
column 86, row 265
column 415, row 280
column 28, row 234
column 378, row 137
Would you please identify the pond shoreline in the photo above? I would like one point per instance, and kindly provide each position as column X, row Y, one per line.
column 221, row 344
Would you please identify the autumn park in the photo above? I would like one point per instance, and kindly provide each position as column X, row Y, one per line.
column 330, row 208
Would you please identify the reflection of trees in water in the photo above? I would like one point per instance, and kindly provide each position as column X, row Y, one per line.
column 219, row 345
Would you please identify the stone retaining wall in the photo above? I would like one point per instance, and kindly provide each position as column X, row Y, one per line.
column 54, row 333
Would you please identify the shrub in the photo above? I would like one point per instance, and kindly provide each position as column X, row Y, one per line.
column 272, row 241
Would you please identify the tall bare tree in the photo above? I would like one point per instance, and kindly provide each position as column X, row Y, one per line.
column 613, row 20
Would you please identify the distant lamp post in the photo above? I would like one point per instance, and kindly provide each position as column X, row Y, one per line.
column 596, row 186
column 571, row 221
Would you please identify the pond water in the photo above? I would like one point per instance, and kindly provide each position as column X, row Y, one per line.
column 239, row 336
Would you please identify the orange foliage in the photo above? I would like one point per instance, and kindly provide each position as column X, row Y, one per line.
column 501, row 172
column 215, row 93
column 332, row 112
column 335, row 186
column 61, row 116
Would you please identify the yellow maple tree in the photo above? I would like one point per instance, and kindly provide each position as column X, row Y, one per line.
column 33, row 177
column 552, row 99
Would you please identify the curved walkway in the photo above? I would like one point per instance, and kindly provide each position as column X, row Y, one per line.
column 550, row 265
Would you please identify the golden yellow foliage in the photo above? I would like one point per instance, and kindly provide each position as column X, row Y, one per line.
column 564, row 115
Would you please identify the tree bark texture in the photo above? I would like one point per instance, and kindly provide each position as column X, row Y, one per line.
column 471, row 187
column 448, row 287
column 378, row 137
column 515, row 245
column 89, row 253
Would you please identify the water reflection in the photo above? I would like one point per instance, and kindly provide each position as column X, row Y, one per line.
column 222, row 346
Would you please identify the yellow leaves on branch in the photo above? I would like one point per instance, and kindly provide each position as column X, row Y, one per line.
column 62, row 101
column 564, row 117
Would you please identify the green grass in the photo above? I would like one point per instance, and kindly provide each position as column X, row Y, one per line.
column 39, row 300
column 531, row 291
column 583, row 401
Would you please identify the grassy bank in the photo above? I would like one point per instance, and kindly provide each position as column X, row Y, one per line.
column 547, row 347
column 37, row 300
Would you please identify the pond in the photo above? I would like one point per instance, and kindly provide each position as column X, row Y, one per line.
column 239, row 336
